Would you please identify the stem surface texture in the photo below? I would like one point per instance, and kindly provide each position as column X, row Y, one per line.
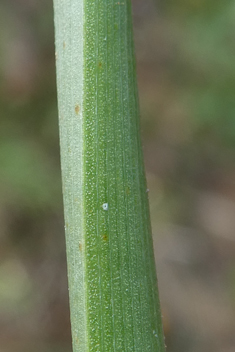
column 112, row 280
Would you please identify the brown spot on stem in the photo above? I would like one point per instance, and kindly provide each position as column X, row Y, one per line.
column 77, row 108
column 64, row 44
column 105, row 237
column 100, row 64
column 80, row 246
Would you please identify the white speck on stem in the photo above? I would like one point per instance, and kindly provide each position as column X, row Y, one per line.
column 155, row 334
column 105, row 206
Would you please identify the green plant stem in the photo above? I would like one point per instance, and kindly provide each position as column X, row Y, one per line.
column 112, row 281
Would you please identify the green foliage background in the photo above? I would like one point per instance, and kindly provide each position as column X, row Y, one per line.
column 186, row 71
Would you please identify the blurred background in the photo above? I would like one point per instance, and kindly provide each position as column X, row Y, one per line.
column 186, row 72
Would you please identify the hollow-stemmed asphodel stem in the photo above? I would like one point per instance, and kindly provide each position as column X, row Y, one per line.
column 112, row 280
